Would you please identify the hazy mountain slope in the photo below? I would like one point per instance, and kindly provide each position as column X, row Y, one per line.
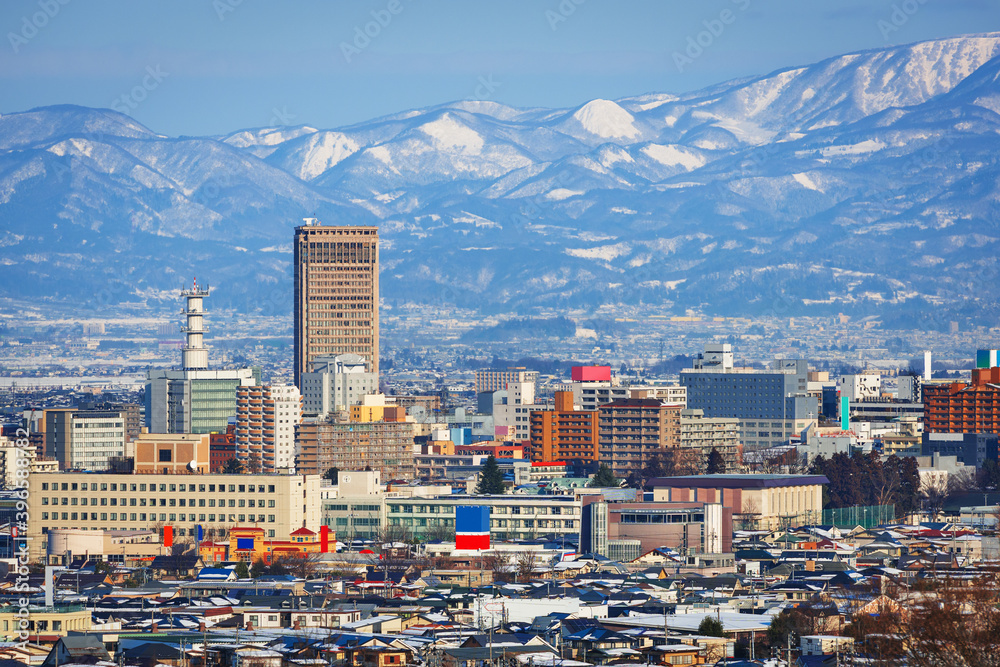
column 866, row 183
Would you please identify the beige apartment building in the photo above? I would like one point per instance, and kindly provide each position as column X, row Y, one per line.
column 279, row 504
column 705, row 434
column 336, row 294
column 764, row 501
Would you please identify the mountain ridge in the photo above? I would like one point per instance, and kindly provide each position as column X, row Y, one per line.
column 846, row 185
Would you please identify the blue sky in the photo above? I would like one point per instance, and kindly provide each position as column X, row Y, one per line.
column 212, row 66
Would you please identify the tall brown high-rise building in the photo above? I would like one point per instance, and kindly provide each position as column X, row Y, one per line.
column 336, row 294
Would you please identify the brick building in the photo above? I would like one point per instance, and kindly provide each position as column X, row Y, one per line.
column 964, row 407
column 632, row 430
column 564, row 434
column 386, row 446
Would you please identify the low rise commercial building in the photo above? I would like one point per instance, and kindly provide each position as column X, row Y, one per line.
column 767, row 501
column 106, row 501
column 172, row 453
column 512, row 517
column 610, row 528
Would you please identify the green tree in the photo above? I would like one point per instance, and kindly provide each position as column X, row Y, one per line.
column 233, row 466
column 781, row 626
column 716, row 463
column 710, row 626
column 603, row 478
column 258, row 568
column 490, row 478
column 332, row 474
column 242, row 571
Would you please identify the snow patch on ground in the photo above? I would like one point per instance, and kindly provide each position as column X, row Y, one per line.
column 562, row 193
column 806, row 182
column 673, row 156
column 860, row 148
column 606, row 252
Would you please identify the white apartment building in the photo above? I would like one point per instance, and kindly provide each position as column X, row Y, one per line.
column 266, row 417
column 861, row 387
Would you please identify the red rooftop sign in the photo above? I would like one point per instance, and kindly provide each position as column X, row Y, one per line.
column 590, row 374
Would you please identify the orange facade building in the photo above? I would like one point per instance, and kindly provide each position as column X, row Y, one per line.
column 564, row 434
column 961, row 407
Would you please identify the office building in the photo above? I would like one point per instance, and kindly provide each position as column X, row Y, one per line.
column 564, row 434
column 511, row 407
column 689, row 527
column 632, row 431
column 132, row 413
column 102, row 501
column 491, row 380
column 335, row 384
column 336, row 296
column 861, row 387
column 194, row 399
column 771, row 405
column 85, row 439
column 971, row 449
column 266, row 417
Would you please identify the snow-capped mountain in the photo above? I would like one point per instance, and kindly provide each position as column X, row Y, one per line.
column 866, row 183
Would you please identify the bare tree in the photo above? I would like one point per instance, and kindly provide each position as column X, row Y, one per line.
column 395, row 549
column 440, row 531
column 499, row 565
column 934, row 497
column 301, row 565
column 953, row 623
column 749, row 517
column 962, row 481
column 525, row 566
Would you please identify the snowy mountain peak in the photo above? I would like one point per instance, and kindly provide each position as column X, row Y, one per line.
column 813, row 189
column 605, row 119
column 450, row 134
